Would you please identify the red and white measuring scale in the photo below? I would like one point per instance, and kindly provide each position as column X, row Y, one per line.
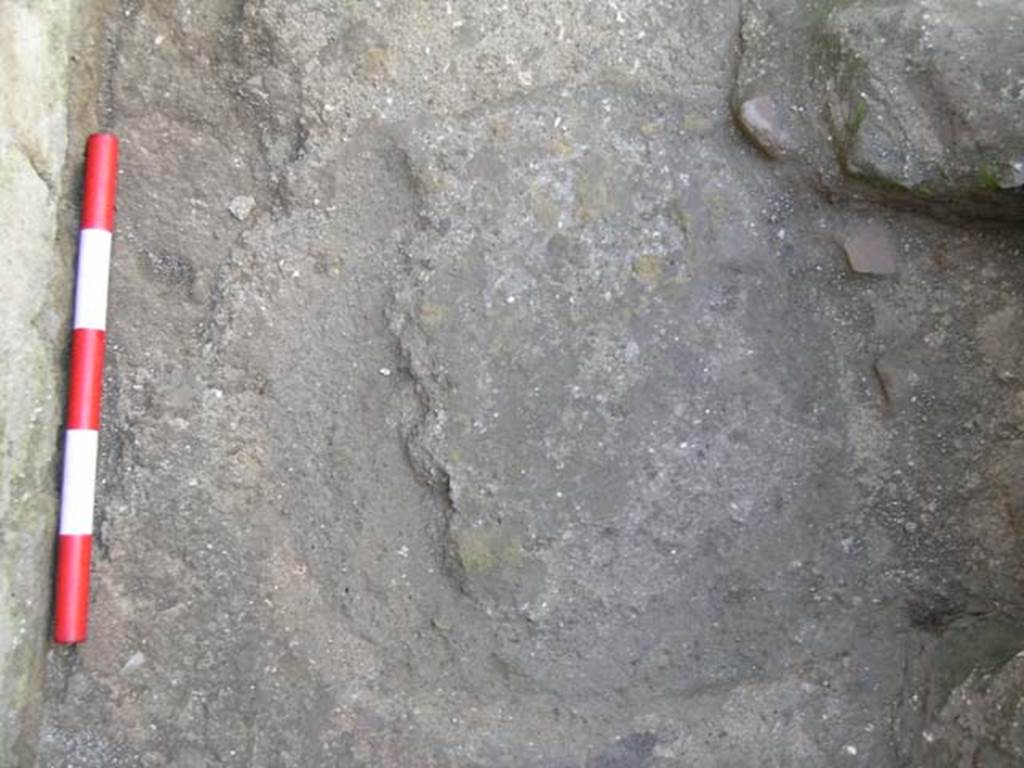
column 78, row 489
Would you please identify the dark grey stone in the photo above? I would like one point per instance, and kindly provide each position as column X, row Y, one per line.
column 919, row 101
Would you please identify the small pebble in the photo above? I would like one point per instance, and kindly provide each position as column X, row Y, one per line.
column 762, row 119
column 137, row 660
column 869, row 251
column 240, row 207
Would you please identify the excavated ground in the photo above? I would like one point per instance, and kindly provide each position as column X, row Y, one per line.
column 478, row 396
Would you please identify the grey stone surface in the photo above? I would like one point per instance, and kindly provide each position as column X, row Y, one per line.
column 531, row 418
column 921, row 100
column 33, row 312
